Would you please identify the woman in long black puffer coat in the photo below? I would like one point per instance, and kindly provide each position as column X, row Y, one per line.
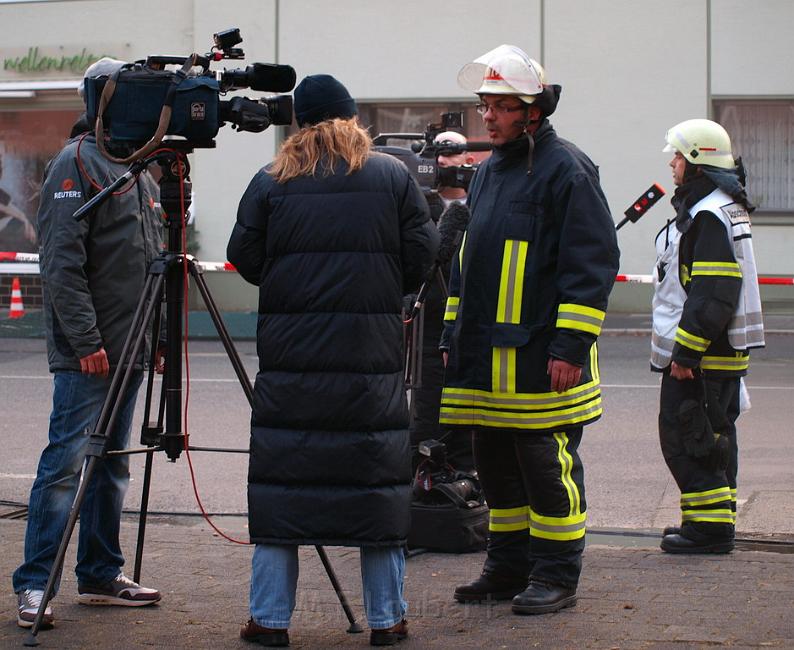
column 334, row 235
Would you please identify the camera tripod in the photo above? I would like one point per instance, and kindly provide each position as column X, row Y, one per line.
column 164, row 282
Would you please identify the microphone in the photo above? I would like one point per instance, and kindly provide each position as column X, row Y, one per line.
column 644, row 202
column 451, row 226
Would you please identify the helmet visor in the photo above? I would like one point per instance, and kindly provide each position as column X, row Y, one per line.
column 505, row 63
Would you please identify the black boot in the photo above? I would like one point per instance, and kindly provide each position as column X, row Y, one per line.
column 671, row 530
column 677, row 543
column 543, row 598
column 490, row 586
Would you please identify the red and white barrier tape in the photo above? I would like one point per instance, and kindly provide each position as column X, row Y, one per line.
column 16, row 264
column 28, row 263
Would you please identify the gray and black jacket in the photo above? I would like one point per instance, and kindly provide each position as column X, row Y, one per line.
column 93, row 271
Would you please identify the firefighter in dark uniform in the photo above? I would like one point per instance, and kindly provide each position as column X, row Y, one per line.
column 706, row 318
column 528, row 294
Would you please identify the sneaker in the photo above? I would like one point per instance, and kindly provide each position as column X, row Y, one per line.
column 29, row 601
column 119, row 591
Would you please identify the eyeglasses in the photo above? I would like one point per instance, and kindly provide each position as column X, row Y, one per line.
column 499, row 109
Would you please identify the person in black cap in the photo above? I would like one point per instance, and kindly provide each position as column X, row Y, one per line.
column 334, row 234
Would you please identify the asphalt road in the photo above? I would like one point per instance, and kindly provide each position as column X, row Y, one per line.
column 628, row 485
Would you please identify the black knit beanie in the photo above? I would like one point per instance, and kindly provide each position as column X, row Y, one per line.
column 320, row 97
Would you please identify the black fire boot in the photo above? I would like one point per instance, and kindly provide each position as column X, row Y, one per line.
column 678, row 543
column 543, row 598
column 671, row 530
column 490, row 586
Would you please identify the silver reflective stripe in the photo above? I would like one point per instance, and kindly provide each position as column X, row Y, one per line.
column 661, row 350
column 515, row 519
column 526, row 400
column 517, row 419
column 533, row 524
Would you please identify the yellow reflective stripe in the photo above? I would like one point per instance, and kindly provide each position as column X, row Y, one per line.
column 594, row 371
column 566, row 467
column 460, row 253
column 722, row 515
column 468, row 416
column 557, row 528
column 451, row 312
column 709, row 496
column 691, row 341
column 725, row 363
column 520, row 401
column 579, row 317
column 503, row 370
column 728, row 269
column 508, row 519
column 511, row 283
column 518, row 290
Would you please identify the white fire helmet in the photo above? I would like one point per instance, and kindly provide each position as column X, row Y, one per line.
column 701, row 142
column 505, row 70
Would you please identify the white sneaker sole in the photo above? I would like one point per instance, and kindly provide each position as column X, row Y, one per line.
column 99, row 599
column 46, row 622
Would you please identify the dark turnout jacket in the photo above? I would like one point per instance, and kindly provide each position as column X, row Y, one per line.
column 531, row 282
column 333, row 256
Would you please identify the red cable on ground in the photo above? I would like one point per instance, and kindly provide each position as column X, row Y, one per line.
column 187, row 365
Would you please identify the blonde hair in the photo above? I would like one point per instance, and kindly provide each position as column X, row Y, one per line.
column 323, row 144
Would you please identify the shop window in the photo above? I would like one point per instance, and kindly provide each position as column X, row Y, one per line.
column 762, row 133
column 28, row 139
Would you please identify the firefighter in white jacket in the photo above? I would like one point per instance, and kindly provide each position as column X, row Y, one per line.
column 706, row 318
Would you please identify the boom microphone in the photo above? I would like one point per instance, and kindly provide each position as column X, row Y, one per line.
column 644, row 203
column 451, row 226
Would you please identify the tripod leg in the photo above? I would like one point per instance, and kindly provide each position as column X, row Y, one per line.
column 146, row 438
column 245, row 382
column 220, row 327
column 31, row 640
column 96, row 444
column 354, row 628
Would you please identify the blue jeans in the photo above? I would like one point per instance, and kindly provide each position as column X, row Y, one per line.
column 274, row 579
column 77, row 401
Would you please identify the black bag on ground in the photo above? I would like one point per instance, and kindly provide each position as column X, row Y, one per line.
column 448, row 511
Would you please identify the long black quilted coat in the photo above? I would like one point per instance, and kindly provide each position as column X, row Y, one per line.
column 332, row 255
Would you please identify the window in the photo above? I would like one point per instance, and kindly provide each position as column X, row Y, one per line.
column 762, row 133
column 28, row 139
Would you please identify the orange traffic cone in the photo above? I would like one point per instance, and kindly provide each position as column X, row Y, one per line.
column 17, row 309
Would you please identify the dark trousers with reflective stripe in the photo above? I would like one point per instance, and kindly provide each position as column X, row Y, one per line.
column 542, row 473
column 707, row 492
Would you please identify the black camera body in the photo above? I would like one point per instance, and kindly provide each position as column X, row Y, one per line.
column 141, row 90
column 421, row 157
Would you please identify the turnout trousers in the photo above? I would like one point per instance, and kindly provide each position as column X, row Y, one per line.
column 708, row 489
column 534, row 486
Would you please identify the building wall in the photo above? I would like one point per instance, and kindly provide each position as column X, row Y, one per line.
column 629, row 69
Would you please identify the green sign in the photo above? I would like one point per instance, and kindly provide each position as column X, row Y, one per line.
column 33, row 61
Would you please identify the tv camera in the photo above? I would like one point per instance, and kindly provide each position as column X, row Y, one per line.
column 421, row 157
column 144, row 101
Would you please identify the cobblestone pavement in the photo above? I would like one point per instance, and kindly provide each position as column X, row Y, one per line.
column 629, row 597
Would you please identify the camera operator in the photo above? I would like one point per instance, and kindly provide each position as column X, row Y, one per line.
column 427, row 397
column 334, row 234
column 92, row 273
column 450, row 194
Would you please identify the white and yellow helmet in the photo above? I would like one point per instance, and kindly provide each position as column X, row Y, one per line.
column 505, row 70
column 701, row 142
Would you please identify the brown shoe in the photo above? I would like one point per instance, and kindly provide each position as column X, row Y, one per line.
column 266, row 636
column 390, row 636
